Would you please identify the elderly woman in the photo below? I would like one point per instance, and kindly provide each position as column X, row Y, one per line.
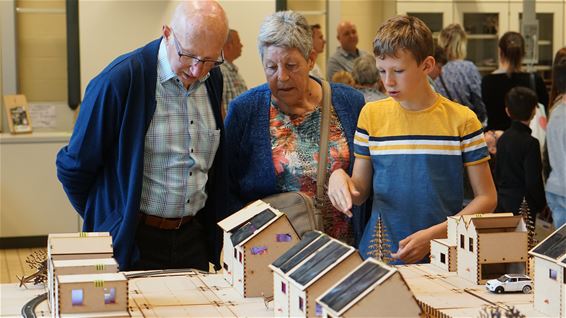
column 273, row 130
column 367, row 79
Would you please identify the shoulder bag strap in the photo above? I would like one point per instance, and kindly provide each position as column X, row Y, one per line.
column 323, row 149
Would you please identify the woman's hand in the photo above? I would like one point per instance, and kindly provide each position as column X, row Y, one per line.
column 341, row 189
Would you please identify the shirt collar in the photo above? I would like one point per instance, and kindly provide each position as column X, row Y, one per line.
column 347, row 54
column 232, row 67
column 164, row 70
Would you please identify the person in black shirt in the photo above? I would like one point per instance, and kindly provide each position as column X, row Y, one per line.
column 518, row 168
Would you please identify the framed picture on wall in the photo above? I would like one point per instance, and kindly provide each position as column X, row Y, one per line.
column 17, row 114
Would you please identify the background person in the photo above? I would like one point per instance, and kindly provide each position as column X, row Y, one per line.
column 318, row 43
column 460, row 80
column 366, row 78
column 234, row 83
column 347, row 52
column 494, row 86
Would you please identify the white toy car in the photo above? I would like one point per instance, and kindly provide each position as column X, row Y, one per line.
column 510, row 283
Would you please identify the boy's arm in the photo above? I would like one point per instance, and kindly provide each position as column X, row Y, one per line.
column 417, row 245
column 344, row 190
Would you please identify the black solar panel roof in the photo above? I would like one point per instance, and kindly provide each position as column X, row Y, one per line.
column 248, row 228
column 354, row 285
column 554, row 246
column 319, row 262
column 304, row 254
column 306, row 240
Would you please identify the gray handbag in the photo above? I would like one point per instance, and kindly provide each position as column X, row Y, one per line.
column 302, row 211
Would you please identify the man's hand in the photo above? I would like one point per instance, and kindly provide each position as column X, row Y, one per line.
column 414, row 247
column 341, row 189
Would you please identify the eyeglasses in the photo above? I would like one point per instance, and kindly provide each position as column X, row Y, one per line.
column 193, row 60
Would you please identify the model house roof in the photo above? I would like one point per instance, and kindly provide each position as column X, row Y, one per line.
column 104, row 277
column 84, row 244
column 235, row 220
column 321, row 262
column 554, row 246
column 366, row 276
column 311, row 242
column 253, row 226
column 496, row 222
column 468, row 217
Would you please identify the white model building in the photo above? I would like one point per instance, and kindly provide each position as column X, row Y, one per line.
column 253, row 238
column 373, row 289
column 75, row 246
column 550, row 274
column 481, row 243
column 91, row 295
column 316, row 265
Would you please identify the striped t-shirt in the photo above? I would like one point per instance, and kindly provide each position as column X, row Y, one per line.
column 417, row 159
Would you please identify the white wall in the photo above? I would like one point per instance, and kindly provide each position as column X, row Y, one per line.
column 111, row 28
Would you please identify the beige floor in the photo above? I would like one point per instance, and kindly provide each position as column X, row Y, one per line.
column 13, row 262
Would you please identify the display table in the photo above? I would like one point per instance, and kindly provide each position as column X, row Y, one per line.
column 191, row 294
column 444, row 294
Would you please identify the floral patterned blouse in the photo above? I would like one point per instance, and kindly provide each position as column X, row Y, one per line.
column 295, row 144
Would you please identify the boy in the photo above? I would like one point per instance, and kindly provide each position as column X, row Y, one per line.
column 518, row 168
column 412, row 145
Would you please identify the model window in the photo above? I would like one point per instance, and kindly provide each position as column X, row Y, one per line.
column 552, row 274
column 283, row 287
column 235, row 253
column 471, row 244
column 110, row 295
column 301, row 304
column 443, row 258
column 462, row 241
column 523, row 279
column 318, row 310
column 77, row 297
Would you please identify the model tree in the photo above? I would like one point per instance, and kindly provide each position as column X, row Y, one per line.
column 38, row 261
column 380, row 245
column 526, row 214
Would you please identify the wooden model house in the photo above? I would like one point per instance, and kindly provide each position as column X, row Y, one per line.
column 75, row 246
column 314, row 275
column 253, row 238
column 484, row 247
column 373, row 289
column 310, row 243
column 91, row 295
column 550, row 274
column 443, row 251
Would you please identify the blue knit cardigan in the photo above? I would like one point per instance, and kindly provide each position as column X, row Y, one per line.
column 251, row 171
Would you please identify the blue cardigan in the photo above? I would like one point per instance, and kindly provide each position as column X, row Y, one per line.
column 101, row 169
column 252, row 175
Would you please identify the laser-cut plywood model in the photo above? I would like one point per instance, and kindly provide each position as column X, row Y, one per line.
column 550, row 274
column 91, row 295
column 373, row 289
column 308, row 270
column 482, row 244
column 253, row 238
column 74, row 246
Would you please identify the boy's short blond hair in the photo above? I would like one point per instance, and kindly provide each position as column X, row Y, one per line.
column 403, row 32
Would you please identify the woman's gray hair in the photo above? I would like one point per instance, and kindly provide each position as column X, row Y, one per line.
column 286, row 29
column 364, row 70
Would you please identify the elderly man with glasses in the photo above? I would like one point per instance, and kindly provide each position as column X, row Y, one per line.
column 145, row 161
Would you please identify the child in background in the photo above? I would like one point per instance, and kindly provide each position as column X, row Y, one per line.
column 518, row 168
column 411, row 147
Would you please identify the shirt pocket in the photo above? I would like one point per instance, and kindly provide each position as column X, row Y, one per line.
column 205, row 144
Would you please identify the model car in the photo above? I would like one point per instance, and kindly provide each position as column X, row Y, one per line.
column 510, row 283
